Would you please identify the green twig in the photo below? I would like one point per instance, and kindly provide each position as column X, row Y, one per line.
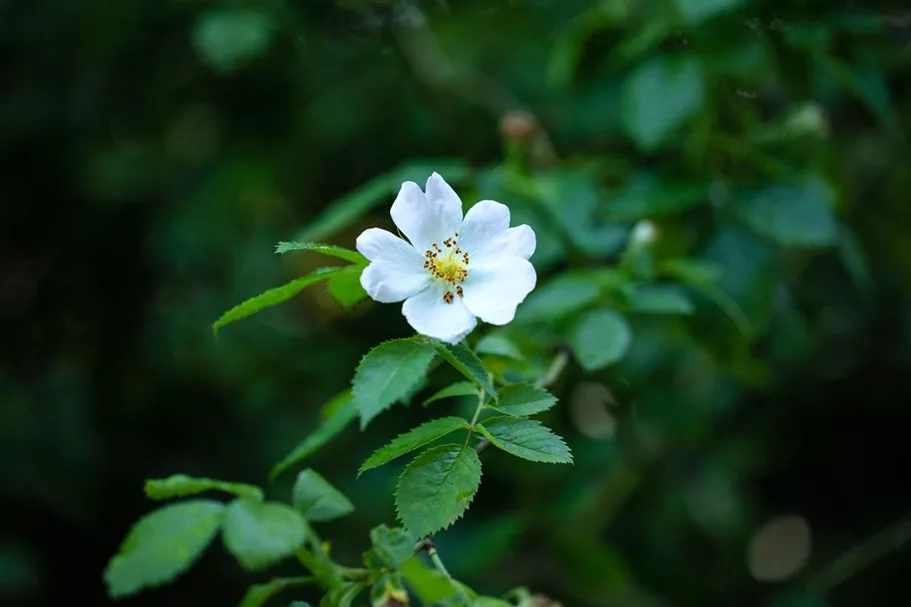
column 477, row 414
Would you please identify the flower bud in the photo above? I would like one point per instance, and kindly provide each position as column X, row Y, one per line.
column 518, row 126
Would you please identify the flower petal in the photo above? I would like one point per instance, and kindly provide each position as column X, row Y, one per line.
column 483, row 223
column 519, row 241
column 494, row 289
column 427, row 218
column 430, row 315
column 396, row 270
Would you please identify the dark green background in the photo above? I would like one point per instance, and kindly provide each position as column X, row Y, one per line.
column 153, row 152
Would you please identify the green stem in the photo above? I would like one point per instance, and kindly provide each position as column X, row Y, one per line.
column 477, row 414
column 438, row 563
column 863, row 555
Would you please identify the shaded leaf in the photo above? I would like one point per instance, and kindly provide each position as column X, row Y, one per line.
column 647, row 195
column 342, row 595
column 345, row 287
column 660, row 299
column 466, row 363
column 413, row 439
column 659, row 96
column 259, row 594
column 317, row 499
column 387, row 373
column 180, row 485
column 225, row 38
column 694, row 11
column 326, row 249
column 341, row 411
column 430, row 586
column 461, row 388
column 526, row 438
column 393, row 545
column 259, row 534
column 162, row 545
column 558, row 297
column 437, row 487
column 523, row 399
column 794, row 215
column 272, row 297
column 599, row 339
column 498, row 345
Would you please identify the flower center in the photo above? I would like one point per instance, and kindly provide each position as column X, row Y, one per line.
column 448, row 264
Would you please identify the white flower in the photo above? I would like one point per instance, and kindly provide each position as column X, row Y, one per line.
column 453, row 269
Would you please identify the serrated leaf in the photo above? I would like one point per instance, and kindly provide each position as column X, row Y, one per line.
column 498, row 345
column 393, row 545
column 526, row 438
column 162, row 545
column 519, row 400
column 660, row 299
column 794, row 215
column 179, row 485
column 466, row 363
column 259, row 594
column 345, row 287
column 317, row 499
column 558, row 297
column 600, row 338
column 461, row 388
column 437, row 487
column 326, row 249
column 387, row 373
column 341, row 411
column 413, row 439
column 259, row 534
column 272, row 297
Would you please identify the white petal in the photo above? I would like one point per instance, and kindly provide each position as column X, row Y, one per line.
column 493, row 290
column 483, row 223
column 396, row 270
column 427, row 218
column 519, row 241
column 430, row 315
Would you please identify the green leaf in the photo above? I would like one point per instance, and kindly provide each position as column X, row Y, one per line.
column 345, row 287
column 393, row 545
column 272, row 297
column 519, row 400
column 341, row 411
column 326, row 249
column 342, row 596
column 379, row 190
column 498, row 345
column 648, row 195
column 387, row 373
column 299, row 604
column 526, row 438
column 228, row 37
column 317, row 499
column 660, row 299
column 599, row 339
column 437, row 487
column 259, row 594
column 658, row 97
column 162, row 545
column 466, row 363
column 259, row 534
column 413, row 439
column 180, row 485
column 430, row 586
column 489, row 601
column 460, row 388
column 794, row 215
column 694, row 11
column 558, row 297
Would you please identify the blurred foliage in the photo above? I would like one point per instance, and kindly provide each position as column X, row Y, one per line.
column 720, row 192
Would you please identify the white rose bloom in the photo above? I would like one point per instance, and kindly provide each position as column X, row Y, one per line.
column 453, row 270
